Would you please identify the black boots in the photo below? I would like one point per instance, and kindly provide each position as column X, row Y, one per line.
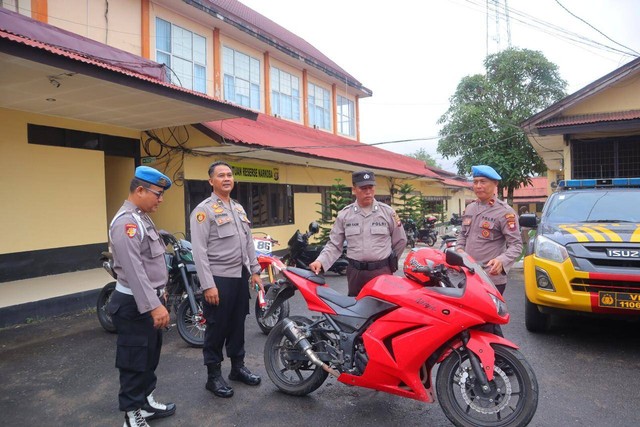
column 242, row 374
column 215, row 383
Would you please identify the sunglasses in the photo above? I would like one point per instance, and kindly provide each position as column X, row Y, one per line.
column 157, row 193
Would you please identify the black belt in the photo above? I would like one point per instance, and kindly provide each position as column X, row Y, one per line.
column 368, row 265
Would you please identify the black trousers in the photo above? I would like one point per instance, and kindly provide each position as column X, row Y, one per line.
column 356, row 279
column 138, row 351
column 225, row 321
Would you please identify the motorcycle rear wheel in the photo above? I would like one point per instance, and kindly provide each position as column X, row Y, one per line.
column 289, row 369
column 267, row 324
column 511, row 401
column 191, row 327
column 101, row 307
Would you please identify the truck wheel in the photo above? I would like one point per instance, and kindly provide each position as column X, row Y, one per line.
column 534, row 320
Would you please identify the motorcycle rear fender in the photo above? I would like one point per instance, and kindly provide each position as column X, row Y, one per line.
column 480, row 343
column 285, row 291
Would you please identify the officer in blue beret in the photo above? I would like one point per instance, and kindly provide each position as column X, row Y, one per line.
column 490, row 232
column 137, row 304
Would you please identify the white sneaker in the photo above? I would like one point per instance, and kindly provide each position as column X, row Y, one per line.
column 134, row 419
column 152, row 409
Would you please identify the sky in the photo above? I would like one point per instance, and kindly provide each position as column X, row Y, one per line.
column 413, row 53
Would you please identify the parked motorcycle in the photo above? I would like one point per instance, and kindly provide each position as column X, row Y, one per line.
column 428, row 233
column 301, row 253
column 449, row 240
column 445, row 312
column 411, row 231
column 271, row 265
column 183, row 291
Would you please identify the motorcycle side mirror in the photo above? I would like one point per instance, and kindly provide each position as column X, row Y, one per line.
column 453, row 257
column 314, row 227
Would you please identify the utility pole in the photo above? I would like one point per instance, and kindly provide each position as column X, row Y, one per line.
column 499, row 11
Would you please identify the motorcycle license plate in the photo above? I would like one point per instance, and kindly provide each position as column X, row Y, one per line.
column 262, row 246
column 623, row 300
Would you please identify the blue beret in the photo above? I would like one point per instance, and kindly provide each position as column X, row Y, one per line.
column 485, row 171
column 152, row 176
column 363, row 178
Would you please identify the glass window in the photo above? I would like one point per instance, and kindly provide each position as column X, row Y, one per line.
column 346, row 116
column 285, row 94
column 184, row 53
column 241, row 78
column 319, row 102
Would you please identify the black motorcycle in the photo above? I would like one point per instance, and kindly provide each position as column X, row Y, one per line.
column 411, row 231
column 301, row 253
column 184, row 295
column 428, row 233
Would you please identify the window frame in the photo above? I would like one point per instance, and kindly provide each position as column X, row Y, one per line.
column 234, row 85
column 280, row 100
column 314, row 108
column 346, row 120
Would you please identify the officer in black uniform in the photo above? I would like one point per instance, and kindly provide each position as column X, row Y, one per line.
column 137, row 306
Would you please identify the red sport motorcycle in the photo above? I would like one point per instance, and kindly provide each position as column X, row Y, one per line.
column 390, row 337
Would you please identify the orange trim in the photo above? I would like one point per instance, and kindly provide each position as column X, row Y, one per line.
column 144, row 29
column 267, row 84
column 334, row 102
column 40, row 10
column 357, row 118
column 217, row 64
column 305, row 96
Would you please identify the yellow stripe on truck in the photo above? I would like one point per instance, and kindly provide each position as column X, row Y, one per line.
column 597, row 237
column 580, row 237
column 613, row 236
column 635, row 237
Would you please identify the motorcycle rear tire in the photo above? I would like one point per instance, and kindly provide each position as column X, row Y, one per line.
column 431, row 240
column 465, row 407
column 266, row 325
column 287, row 366
column 191, row 328
column 101, row 307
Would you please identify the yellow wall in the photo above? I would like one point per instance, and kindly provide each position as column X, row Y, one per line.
column 52, row 196
column 624, row 95
column 119, row 28
column 118, row 173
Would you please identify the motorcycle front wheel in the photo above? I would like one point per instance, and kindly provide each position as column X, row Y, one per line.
column 101, row 307
column 288, row 367
column 511, row 400
column 191, row 326
column 266, row 324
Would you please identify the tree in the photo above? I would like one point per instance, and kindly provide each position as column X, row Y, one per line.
column 422, row 154
column 409, row 204
column 481, row 125
column 339, row 196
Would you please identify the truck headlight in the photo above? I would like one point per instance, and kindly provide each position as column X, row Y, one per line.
column 548, row 249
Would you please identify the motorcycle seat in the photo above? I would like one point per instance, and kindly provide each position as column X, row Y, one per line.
column 309, row 275
column 329, row 294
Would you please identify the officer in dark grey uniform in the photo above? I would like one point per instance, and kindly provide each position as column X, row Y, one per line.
column 225, row 259
column 490, row 232
column 374, row 234
column 136, row 305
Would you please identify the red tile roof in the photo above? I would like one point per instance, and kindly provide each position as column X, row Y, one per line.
column 537, row 190
column 281, row 135
column 590, row 118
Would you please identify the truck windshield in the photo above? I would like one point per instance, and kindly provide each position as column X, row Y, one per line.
column 594, row 206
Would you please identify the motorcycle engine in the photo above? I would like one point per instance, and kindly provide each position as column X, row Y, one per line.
column 361, row 359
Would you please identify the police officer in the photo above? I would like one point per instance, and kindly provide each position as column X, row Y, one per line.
column 490, row 232
column 136, row 305
column 225, row 259
column 374, row 234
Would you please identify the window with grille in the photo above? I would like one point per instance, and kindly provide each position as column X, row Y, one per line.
column 605, row 157
column 184, row 53
column 319, row 101
column 346, row 116
column 285, row 94
column 241, row 78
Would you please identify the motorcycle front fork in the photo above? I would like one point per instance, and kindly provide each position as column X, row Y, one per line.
column 187, row 286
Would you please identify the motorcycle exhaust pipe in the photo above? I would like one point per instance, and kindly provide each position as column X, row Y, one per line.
column 294, row 335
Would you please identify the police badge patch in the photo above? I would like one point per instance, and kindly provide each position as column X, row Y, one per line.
column 131, row 230
column 200, row 216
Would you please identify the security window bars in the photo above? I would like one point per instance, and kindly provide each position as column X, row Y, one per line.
column 285, row 94
column 346, row 116
column 319, row 102
column 184, row 53
column 617, row 157
column 241, row 78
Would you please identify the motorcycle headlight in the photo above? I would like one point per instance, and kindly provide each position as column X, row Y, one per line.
column 548, row 249
column 501, row 307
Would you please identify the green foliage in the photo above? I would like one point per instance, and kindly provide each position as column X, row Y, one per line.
column 339, row 196
column 481, row 125
column 408, row 204
column 422, row 154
